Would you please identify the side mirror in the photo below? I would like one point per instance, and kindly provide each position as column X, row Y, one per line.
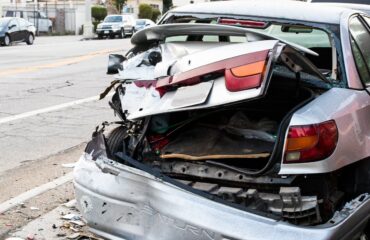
column 114, row 63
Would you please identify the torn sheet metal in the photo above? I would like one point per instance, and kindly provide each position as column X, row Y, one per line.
column 144, row 101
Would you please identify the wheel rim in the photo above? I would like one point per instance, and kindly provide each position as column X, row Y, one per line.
column 7, row 40
column 122, row 33
column 30, row 38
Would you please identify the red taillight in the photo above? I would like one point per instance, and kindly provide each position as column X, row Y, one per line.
column 311, row 142
column 244, row 77
column 244, row 23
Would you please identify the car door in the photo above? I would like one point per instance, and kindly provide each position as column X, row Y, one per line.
column 359, row 27
column 23, row 33
column 14, row 31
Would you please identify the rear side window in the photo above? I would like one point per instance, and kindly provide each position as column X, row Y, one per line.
column 360, row 39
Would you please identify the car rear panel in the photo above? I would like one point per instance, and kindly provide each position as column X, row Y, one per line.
column 127, row 203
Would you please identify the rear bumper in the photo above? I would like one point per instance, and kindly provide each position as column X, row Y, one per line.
column 121, row 202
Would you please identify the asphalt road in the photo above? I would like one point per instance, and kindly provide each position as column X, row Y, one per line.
column 48, row 110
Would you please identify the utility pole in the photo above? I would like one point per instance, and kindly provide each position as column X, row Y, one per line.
column 88, row 27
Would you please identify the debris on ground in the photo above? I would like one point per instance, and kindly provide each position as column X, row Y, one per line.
column 71, row 204
column 90, row 236
column 30, row 237
column 71, row 216
column 68, row 165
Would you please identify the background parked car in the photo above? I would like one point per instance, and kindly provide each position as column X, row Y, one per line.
column 116, row 25
column 143, row 23
column 37, row 18
column 16, row 30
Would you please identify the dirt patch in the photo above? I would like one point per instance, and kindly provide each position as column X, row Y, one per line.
column 35, row 173
column 17, row 217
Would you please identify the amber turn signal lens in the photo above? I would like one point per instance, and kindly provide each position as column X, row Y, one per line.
column 308, row 143
column 302, row 143
column 249, row 69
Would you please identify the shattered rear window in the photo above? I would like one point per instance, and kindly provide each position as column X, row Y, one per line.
column 317, row 39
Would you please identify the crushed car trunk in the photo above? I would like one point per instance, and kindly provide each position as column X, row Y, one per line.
column 214, row 116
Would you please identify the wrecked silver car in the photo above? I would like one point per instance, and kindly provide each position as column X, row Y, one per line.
column 238, row 120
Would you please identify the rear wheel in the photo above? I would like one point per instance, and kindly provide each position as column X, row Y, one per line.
column 30, row 39
column 116, row 141
column 7, row 40
column 100, row 36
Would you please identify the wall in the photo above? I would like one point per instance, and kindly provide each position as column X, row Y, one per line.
column 132, row 6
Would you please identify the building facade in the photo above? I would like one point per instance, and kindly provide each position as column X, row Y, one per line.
column 132, row 6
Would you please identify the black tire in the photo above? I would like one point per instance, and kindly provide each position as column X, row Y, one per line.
column 30, row 39
column 116, row 141
column 112, row 36
column 7, row 40
column 122, row 33
column 100, row 36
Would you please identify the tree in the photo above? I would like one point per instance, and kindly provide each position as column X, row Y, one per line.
column 156, row 14
column 98, row 12
column 167, row 4
column 119, row 4
column 145, row 11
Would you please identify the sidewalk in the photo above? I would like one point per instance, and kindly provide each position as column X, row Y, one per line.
column 55, row 39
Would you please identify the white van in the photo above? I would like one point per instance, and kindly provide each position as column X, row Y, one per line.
column 38, row 18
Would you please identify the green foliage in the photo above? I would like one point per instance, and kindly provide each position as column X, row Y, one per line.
column 119, row 4
column 145, row 11
column 167, row 4
column 156, row 14
column 98, row 12
column 95, row 24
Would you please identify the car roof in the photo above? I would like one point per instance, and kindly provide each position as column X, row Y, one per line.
column 361, row 7
column 290, row 10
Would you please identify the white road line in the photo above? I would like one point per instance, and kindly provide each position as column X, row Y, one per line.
column 34, row 192
column 49, row 109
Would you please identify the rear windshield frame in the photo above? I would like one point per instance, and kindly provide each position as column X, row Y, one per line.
column 333, row 30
